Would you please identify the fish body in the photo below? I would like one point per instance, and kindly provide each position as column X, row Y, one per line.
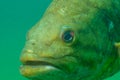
column 74, row 40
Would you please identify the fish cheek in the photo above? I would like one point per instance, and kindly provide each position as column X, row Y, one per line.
column 86, row 52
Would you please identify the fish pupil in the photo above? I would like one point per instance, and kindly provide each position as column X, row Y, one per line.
column 68, row 36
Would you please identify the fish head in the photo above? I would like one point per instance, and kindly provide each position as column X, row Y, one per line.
column 70, row 42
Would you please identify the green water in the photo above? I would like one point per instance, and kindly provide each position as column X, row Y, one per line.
column 16, row 18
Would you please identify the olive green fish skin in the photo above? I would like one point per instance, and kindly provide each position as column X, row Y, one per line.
column 90, row 54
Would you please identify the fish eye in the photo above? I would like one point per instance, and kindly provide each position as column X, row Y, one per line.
column 68, row 36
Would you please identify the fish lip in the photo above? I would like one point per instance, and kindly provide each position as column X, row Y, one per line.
column 33, row 68
column 37, row 63
column 42, row 61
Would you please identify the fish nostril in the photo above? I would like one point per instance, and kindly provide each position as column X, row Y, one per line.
column 33, row 43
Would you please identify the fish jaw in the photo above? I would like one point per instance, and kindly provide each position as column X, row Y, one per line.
column 32, row 66
column 34, row 72
column 45, row 68
column 38, row 69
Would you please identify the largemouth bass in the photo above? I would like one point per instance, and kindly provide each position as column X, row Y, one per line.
column 74, row 40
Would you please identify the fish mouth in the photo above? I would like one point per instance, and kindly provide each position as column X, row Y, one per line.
column 38, row 63
column 32, row 68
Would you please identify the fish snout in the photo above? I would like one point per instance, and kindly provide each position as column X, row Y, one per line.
column 27, row 55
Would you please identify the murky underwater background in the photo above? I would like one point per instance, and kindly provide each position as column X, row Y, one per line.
column 16, row 18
